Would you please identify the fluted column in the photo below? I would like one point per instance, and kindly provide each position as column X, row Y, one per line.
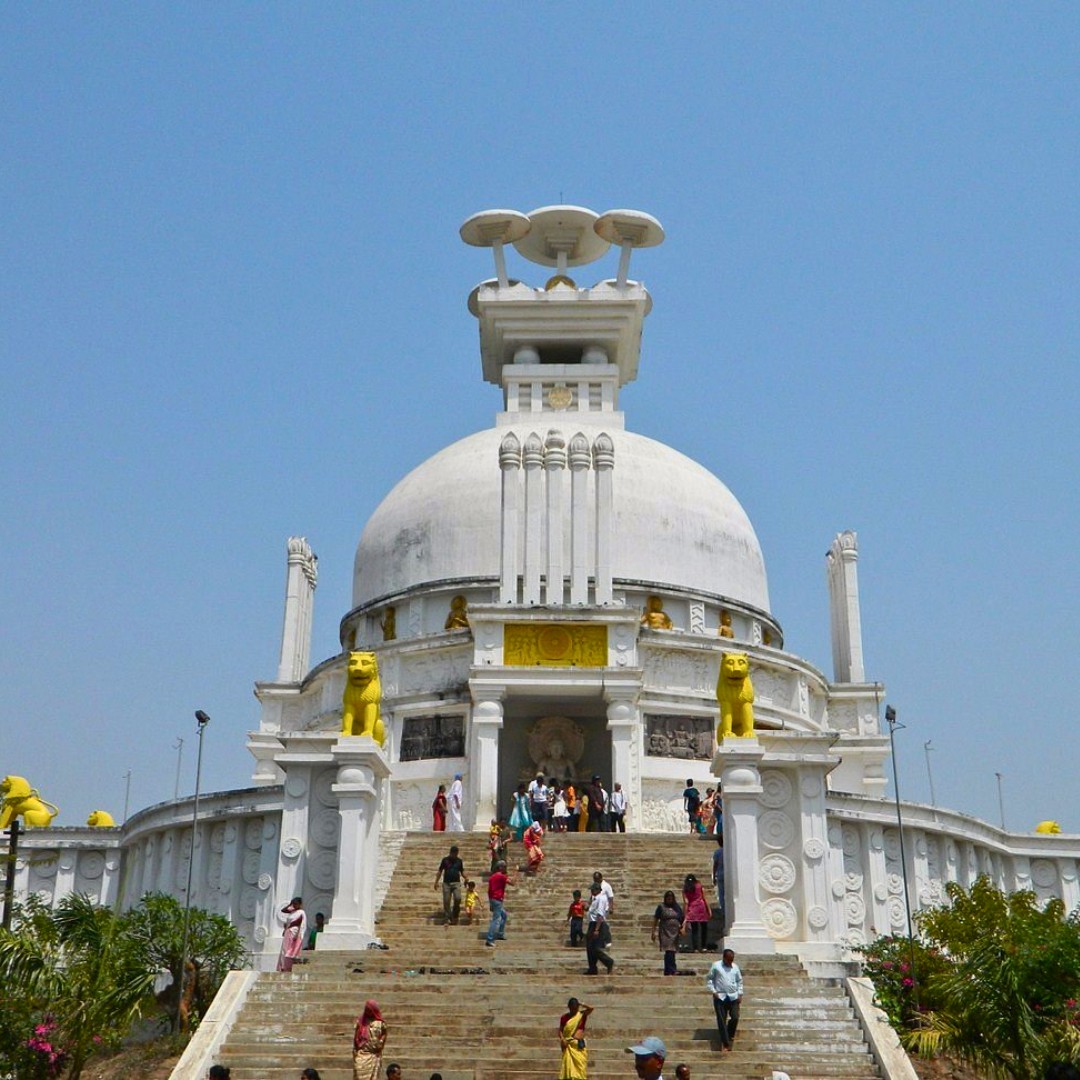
column 532, row 460
column 604, row 464
column 510, row 464
column 301, row 578
column 555, row 466
column 579, row 522
column 841, row 564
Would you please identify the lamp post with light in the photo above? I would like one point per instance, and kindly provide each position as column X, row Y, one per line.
column 203, row 720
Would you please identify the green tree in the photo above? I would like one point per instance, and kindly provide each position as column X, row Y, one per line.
column 78, row 972
column 1001, row 979
column 156, row 928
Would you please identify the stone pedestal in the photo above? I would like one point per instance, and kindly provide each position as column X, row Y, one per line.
column 736, row 765
column 361, row 769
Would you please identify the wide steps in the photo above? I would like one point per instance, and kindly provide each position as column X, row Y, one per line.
column 475, row 1013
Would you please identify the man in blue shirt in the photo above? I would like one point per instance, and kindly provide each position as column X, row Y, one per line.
column 691, row 798
column 724, row 982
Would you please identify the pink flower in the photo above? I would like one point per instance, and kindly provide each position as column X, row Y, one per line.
column 888, row 965
column 908, row 982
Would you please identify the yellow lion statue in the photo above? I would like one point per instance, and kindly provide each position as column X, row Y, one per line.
column 21, row 800
column 100, row 819
column 735, row 695
column 363, row 693
column 1048, row 828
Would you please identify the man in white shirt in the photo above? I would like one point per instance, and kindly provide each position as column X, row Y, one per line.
column 617, row 809
column 538, row 798
column 594, row 936
column 725, row 983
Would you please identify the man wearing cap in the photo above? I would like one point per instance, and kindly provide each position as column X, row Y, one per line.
column 649, row 1057
column 726, row 986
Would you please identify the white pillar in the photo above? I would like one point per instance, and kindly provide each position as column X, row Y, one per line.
column 604, row 464
column 532, row 460
column 622, row 722
column 289, row 878
column 485, row 724
column 510, row 463
column 736, row 765
column 300, row 580
column 579, row 522
column 846, row 621
column 555, row 466
column 362, row 768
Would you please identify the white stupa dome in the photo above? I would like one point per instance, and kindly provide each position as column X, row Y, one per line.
column 675, row 524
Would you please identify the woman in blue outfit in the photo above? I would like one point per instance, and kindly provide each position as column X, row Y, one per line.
column 521, row 815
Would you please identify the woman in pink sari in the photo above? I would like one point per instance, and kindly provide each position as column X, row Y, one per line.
column 533, row 835
column 698, row 913
column 292, row 941
column 368, row 1042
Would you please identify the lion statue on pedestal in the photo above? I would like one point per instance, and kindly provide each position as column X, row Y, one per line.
column 363, row 694
column 21, row 800
column 735, row 695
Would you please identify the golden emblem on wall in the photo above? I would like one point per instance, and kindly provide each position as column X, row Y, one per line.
column 554, row 645
column 560, row 397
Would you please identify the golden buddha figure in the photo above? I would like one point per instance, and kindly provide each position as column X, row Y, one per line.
column 458, row 619
column 724, row 629
column 654, row 615
column 389, row 624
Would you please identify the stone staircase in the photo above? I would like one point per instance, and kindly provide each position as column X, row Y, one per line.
column 454, row 1006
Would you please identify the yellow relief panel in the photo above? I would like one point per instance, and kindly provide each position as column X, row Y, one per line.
column 554, row 645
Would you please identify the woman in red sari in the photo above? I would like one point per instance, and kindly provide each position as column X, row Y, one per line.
column 368, row 1042
column 438, row 810
column 698, row 913
column 533, row 835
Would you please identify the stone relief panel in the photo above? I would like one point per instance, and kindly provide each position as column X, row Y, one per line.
column 433, row 671
column 686, row 737
column 662, row 806
column 775, row 689
column 432, row 737
column 412, row 806
column 667, row 668
column 844, row 716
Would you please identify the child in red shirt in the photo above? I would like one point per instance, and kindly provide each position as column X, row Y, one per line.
column 575, row 916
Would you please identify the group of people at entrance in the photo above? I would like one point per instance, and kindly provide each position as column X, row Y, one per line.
column 560, row 807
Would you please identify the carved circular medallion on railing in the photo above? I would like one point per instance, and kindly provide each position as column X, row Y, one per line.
column 817, row 917
column 775, row 789
column 776, row 874
column 776, row 829
column 779, row 917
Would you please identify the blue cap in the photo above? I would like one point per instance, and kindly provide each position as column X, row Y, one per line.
column 649, row 1047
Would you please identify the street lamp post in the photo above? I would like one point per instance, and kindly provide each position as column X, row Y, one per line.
column 1001, row 800
column 890, row 719
column 203, row 720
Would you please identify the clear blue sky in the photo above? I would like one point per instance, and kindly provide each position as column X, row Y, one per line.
column 233, row 310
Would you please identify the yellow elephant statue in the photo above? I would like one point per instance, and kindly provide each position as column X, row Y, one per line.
column 1048, row 828
column 19, row 799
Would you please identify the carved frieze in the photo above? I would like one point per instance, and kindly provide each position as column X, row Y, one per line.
column 671, row 669
column 432, row 737
column 686, row 737
column 554, row 645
